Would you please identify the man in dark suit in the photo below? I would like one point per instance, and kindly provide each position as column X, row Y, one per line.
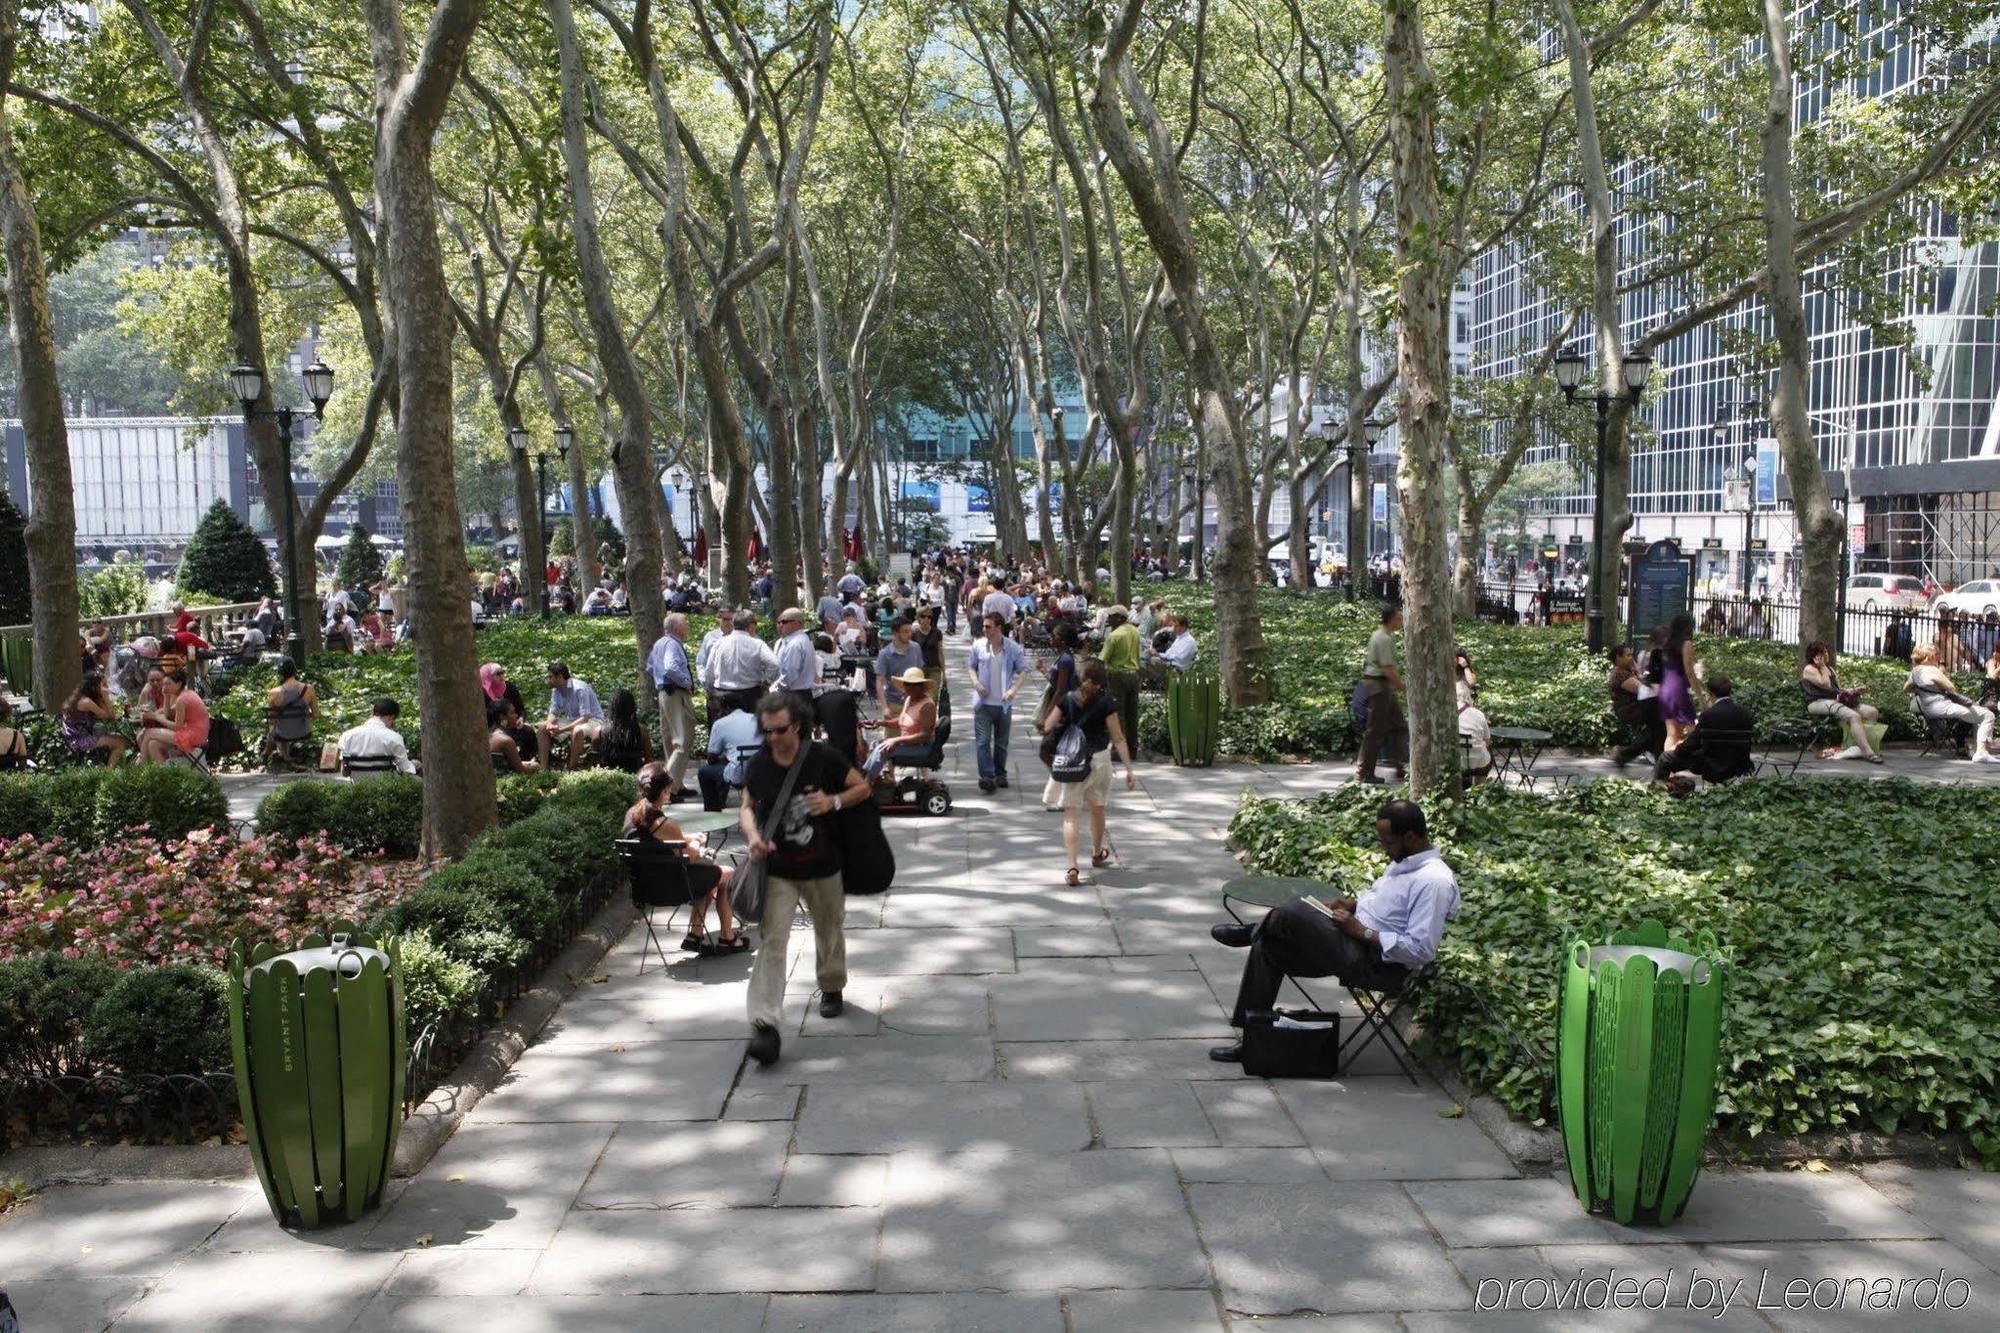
column 1718, row 748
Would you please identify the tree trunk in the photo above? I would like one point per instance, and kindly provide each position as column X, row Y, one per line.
column 632, row 456
column 52, row 510
column 1423, row 323
column 1819, row 523
column 458, row 777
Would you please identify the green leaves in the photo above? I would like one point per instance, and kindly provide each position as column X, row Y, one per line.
column 1864, row 992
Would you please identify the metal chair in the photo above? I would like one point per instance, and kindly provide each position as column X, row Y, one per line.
column 659, row 878
column 1378, row 1020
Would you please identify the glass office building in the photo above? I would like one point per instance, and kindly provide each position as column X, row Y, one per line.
column 1916, row 429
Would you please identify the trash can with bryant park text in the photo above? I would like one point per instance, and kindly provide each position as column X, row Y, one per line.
column 318, row 1036
column 1637, row 1043
column 1194, row 714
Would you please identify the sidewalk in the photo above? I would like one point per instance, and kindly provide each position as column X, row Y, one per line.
column 1014, row 1127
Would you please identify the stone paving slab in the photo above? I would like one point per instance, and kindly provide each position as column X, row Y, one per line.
column 1344, row 1248
column 493, row 1185
column 945, row 1118
column 833, row 1182
column 706, row 1251
column 1086, row 1008
column 657, row 1080
column 457, row 1271
column 960, row 1312
column 895, row 951
column 1387, row 1128
column 258, row 1292
column 1027, row 1223
column 893, row 1057
column 1964, row 1205
column 563, row 1314
column 1162, row 1059
column 1154, row 1311
column 1262, row 1166
column 719, row 1164
column 73, row 1303
column 121, row 1230
column 1148, row 1115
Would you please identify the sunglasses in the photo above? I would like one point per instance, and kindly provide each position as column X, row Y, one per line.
column 776, row 731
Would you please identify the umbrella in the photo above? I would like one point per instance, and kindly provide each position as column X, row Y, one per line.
column 701, row 546
column 756, row 544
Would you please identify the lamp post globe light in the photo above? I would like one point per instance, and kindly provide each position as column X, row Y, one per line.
column 247, row 383
column 1570, row 368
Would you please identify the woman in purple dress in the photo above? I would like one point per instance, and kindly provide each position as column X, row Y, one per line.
column 1675, row 663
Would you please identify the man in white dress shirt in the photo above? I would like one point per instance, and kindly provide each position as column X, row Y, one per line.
column 740, row 666
column 375, row 740
column 1373, row 942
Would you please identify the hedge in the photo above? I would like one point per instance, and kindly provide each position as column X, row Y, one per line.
column 94, row 805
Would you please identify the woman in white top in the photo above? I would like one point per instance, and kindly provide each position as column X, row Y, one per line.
column 1938, row 697
column 1475, row 741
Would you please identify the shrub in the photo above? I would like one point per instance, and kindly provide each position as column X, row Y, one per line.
column 360, row 563
column 598, row 797
column 465, row 923
column 520, row 795
column 71, row 793
column 564, row 852
column 162, row 1020
column 436, row 985
column 45, row 1003
column 24, row 804
column 299, row 809
column 170, row 799
column 115, row 590
column 384, row 814
column 225, row 559
column 528, row 908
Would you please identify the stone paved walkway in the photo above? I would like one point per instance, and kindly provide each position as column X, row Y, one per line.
column 1015, row 1127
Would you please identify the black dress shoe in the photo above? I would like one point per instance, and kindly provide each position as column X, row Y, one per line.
column 831, row 1005
column 986, row 784
column 1000, row 781
column 1232, row 934
column 764, row 1043
column 1231, row 1054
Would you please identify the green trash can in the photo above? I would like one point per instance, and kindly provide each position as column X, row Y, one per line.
column 1194, row 713
column 319, row 1041
column 1636, row 1056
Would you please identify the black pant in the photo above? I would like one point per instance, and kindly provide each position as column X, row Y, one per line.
column 1648, row 728
column 714, row 787
column 1300, row 941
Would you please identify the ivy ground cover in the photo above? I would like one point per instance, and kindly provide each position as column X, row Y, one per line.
column 1863, row 920
column 1529, row 676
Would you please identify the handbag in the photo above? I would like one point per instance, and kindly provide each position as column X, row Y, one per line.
column 1291, row 1043
column 1848, row 698
column 752, row 881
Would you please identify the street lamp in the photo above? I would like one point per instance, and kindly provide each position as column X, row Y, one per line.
column 1357, row 554
column 1570, row 368
column 517, row 436
column 247, row 382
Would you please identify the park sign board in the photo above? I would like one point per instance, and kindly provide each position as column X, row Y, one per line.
column 1659, row 588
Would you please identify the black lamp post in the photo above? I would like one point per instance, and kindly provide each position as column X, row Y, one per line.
column 247, row 382
column 517, row 436
column 1357, row 542
column 1570, row 368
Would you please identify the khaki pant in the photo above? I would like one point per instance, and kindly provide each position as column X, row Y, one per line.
column 676, row 733
column 826, row 903
column 1387, row 733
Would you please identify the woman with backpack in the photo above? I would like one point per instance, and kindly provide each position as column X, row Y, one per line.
column 1085, row 722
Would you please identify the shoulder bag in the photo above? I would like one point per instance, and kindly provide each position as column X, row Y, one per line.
column 753, row 876
column 867, row 862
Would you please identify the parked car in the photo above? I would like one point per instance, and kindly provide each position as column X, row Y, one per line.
column 1885, row 592
column 1980, row 597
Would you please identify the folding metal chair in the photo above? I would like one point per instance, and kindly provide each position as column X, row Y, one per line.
column 659, row 879
column 1378, row 1021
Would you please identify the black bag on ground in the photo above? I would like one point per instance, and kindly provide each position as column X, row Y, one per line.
column 867, row 862
column 1273, row 1050
column 224, row 739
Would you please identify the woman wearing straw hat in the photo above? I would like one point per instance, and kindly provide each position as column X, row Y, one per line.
column 914, row 725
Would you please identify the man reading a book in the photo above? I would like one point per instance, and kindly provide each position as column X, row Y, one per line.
column 1374, row 942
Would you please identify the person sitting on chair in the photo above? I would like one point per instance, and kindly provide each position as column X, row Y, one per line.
column 648, row 821
column 1373, row 942
column 1718, row 746
column 291, row 707
column 377, row 740
column 731, row 742
column 501, row 739
column 915, row 723
column 179, row 730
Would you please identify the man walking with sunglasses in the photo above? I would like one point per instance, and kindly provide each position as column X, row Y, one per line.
column 793, row 789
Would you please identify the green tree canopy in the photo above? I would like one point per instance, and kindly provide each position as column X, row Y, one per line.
column 360, row 560
column 225, row 559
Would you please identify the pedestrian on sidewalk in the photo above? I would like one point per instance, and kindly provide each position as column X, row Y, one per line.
column 1120, row 656
column 1381, row 682
column 803, row 858
column 998, row 665
column 1092, row 711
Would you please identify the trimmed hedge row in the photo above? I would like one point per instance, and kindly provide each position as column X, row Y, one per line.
column 75, row 1015
column 97, row 805
column 382, row 815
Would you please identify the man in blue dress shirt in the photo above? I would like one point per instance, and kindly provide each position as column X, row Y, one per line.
column 1374, row 942
column 673, row 679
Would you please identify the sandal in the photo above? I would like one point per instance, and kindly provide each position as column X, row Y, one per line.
column 696, row 942
column 1875, row 758
column 1071, row 877
column 727, row 945
column 1101, row 857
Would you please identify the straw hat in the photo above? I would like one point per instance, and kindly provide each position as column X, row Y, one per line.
column 912, row 676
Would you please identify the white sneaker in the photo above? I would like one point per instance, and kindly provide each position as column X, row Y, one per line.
column 1851, row 752
column 1986, row 757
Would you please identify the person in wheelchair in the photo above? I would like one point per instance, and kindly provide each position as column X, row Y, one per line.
column 648, row 821
column 914, row 726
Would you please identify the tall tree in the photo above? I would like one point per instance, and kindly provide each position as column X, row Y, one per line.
column 410, row 100
column 51, row 534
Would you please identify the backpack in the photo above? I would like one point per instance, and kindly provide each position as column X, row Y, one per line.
column 1071, row 761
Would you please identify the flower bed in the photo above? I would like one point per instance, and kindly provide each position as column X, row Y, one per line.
column 1532, row 676
column 1862, row 994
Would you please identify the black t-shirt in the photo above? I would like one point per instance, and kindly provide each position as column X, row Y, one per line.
column 1090, row 716
column 804, row 842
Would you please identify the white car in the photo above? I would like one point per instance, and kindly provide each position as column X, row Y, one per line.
column 1885, row 592
column 1980, row 597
